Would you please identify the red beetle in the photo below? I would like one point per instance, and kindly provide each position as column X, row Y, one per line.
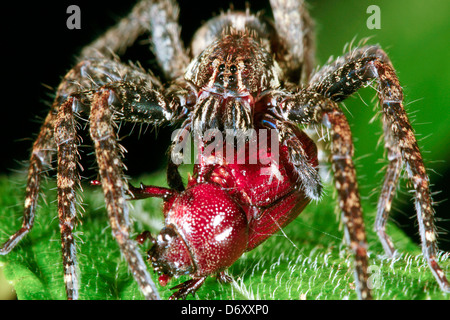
column 225, row 210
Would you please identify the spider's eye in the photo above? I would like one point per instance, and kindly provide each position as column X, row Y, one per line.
column 233, row 69
column 231, row 78
column 220, row 77
column 222, row 67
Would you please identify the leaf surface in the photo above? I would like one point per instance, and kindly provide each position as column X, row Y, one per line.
column 308, row 260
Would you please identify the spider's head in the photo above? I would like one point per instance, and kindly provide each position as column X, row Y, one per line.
column 235, row 64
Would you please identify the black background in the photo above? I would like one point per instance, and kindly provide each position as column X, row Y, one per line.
column 38, row 50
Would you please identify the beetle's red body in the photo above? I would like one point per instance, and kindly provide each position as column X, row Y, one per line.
column 225, row 210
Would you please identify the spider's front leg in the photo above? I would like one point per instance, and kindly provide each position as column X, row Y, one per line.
column 108, row 154
column 41, row 157
column 342, row 78
column 313, row 108
column 136, row 100
column 67, row 182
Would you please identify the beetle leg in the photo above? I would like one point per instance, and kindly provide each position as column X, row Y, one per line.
column 223, row 277
column 190, row 286
column 145, row 191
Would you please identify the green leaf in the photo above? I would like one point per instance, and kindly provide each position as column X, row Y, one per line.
column 308, row 260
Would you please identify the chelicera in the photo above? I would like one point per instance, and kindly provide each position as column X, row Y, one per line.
column 243, row 74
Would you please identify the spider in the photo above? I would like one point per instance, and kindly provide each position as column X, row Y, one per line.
column 242, row 71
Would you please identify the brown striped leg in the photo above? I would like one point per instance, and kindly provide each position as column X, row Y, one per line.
column 345, row 76
column 166, row 38
column 349, row 200
column 313, row 108
column 109, row 155
column 160, row 19
column 67, row 181
column 41, row 155
column 299, row 146
column 123, row 34
column 296, row 29
column 400, row 137
column 388, row 191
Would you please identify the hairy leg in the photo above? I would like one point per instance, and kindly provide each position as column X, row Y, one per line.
column 137, row 100
column 109, row 155
column 345, row 76
column 295, row 28
column 300, row 148
column 313, row 108
column 160, row 19
column 41, row 156
column 67, row 181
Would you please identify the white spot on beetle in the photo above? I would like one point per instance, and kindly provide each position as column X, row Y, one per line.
column 223, row 235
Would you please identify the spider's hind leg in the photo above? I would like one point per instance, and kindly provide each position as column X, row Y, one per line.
column 345, row 76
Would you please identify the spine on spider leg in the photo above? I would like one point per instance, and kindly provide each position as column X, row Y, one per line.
column 109, row 154
column 67, row 181
column 41, row 155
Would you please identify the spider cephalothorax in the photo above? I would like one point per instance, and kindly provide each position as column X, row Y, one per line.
column 248, row 76
column 230, row 75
